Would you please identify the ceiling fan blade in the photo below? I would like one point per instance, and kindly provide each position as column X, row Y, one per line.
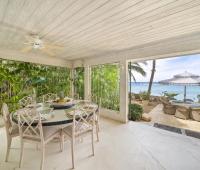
column 28, row 43
column 29, row 38
column 47, row 52
column 26, row 49
column 53, row 46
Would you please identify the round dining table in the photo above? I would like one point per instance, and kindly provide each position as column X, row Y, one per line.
column 55, row 117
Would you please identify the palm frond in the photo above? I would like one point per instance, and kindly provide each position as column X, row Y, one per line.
column 138, row 69
column 133, row 76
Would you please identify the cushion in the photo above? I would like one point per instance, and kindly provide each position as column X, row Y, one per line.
column 80, row 129
column 14, row 130
column 48, row 132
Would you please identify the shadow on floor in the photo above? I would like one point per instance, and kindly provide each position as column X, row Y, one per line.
column 186, row 132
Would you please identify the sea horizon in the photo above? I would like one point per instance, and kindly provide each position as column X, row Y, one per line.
column 158, row 89
column 143, row 81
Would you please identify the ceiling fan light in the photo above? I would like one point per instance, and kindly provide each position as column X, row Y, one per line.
column 36, row 46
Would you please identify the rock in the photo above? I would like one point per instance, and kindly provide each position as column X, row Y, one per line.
column 146, row 117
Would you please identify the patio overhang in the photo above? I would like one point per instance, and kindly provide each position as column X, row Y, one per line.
column 171, row 47
column 92, row 29
column 100, row 32
column 34, row 58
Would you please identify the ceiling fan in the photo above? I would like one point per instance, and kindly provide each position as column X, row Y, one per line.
column 34, row 42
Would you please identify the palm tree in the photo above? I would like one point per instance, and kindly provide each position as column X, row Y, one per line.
column 152, row 76
column 135, row 67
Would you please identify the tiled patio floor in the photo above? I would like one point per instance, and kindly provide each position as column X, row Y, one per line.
column 158, row 116
column 134, row 146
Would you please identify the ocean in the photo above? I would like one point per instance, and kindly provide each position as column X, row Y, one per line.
column 158, row 89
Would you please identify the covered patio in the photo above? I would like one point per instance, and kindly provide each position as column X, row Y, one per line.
column 126, row 146
column 98, row 38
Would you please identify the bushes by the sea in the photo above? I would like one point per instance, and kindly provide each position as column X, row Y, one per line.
column 170, row 96
column 144, row 95
column 135, row 112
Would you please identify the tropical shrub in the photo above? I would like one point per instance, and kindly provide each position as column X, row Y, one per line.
column 137, row 96
column 170, row 96
column 144, row 95
column 135, row 112
column 17, row 79
column 105, row 85
column 79, row 82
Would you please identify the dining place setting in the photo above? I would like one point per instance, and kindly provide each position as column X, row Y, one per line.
column 56, row 118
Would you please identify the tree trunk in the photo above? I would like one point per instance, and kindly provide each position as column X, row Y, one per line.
column 152, row 76
column 129, row 71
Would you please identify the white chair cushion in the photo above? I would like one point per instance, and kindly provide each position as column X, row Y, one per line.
column 83, row 128
column 49, row 131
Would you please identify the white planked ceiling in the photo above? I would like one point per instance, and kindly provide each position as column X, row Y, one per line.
column 89, row 28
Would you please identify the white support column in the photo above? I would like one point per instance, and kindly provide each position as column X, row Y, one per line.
column 87, row 82
column 124, row 90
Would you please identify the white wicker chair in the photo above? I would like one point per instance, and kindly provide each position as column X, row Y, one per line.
column 31, row 130
column 25, row 101
column 82, row 115
column 97, row 120
column 49, row 97
column 97, row 116
column 11, row 129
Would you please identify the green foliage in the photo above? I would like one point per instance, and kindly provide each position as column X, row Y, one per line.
column 144, row 95
column 170, row 96
column 79, row 82
column 136, row 67
column 17, row 79
column 137, row 96
column 135, row 112
column 105, row 85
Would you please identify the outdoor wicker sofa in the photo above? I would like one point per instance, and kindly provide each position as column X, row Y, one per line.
column 182, row 112
column 195, row 113
column 168, row 108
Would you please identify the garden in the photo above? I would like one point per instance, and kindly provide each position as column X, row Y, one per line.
column 19, row 79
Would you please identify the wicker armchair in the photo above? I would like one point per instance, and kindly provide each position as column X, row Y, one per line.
column 31, row 130
column 182, row 112
column 195, row 113
column 168, row 108
column 49, row 97
column 25, row 101
column 82, row 125
column 12, row 130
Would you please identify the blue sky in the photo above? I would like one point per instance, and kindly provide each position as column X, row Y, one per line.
column 166, row 68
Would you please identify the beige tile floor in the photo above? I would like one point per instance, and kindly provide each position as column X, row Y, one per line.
column 158, row 116
column 132, row 146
